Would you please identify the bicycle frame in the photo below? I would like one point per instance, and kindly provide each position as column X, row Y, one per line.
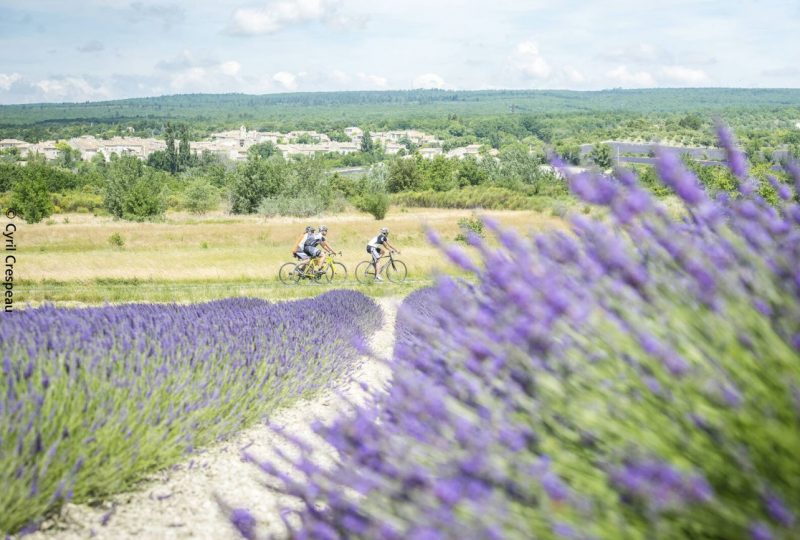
column 314, row 269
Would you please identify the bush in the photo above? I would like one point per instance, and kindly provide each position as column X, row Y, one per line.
column 292, row 206
column 376, row 204
column 134, row 192
column 144, row 200
column 404, row 175
column 486, row 197
column 469, row 226
column 200, row 196
column 30, row 199
column 78, row 201
column 116, row 240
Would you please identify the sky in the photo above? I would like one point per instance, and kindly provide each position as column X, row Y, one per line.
column 89, row 50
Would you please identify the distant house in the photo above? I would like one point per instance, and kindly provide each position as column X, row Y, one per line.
column 45, row 148
column 14, row 143
column 392, row 148
column 464, row 151
column 353, row 132
column 430, row 153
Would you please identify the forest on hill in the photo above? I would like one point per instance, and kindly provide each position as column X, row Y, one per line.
column 550, row 115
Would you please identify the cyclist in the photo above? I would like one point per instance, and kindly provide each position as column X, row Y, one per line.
column 374, row 248
column 311, row 247
column 297, row 250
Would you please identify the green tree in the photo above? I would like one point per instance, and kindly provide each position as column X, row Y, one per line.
column 262, row 150
column 691, row 121
column 184, row 150
column 367, row 146
column 404, row 175
column 439, row 174
column 134, row 191
column 201, row 196
column 30, row 199
column 171, row 154
column 159, row 160
column 144, row 199
column 256, row 180
column 470, row 173
column 601, row 156
column 68, row 157
column 373, row 197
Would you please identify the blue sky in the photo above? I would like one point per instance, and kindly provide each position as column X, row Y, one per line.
column 56, row 51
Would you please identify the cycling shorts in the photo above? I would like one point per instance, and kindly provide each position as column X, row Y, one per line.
column 375, row 252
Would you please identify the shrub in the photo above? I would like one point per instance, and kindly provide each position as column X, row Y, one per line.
column 375, row 204
column 30, row 199
column 469, row 226
column 292, row 206
column 637, row 378
column 134, row 192
column 78, row 201
column 200, row 196
column 116, row 240
column 486, row 197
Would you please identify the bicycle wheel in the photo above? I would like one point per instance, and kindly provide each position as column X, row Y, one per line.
column 365, row 272
column 287, row 274
column 396, row 271
column 336, row 273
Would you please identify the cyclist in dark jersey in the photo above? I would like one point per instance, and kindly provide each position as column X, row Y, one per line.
column 312, row 247
column 374, row 248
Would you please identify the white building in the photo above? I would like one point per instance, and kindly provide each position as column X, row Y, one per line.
column 464, row 151
column 353, row 132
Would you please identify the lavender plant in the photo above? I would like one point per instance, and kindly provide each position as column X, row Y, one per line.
column 638, row 378
column 90, row 399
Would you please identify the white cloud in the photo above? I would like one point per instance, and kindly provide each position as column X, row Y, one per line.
column 528, row 60
column 340, row 76
column 7, row 80
column 627, row 78
column 685, row 75
column 277, row 15
column 230, row 68
column 168, row 15
column 191, row 79
column 287, row 80
column 377, row 80
column 72, row 89
column 573, row 75
column 429, row 80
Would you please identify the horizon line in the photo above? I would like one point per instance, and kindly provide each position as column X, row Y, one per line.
column 376, row 91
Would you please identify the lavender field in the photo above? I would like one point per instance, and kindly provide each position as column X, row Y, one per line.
column 637, row 378
column 92, row 399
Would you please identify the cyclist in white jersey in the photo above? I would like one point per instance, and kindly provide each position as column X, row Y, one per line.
column 375, row 248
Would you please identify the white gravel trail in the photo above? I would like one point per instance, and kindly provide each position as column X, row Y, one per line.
column 181, row 502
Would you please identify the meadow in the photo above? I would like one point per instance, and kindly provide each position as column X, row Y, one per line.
column 185, row 258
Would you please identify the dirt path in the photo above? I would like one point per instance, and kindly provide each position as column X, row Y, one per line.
column 180, row 503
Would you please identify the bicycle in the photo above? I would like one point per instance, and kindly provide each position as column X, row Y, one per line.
column 395, row 270
column 329, row 269
column 333, row 270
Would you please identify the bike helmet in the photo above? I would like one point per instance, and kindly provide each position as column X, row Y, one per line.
column 384, row 231
column 323, row 229
column 309, row 229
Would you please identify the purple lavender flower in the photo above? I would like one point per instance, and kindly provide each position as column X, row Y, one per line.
column 736, row 159
column 244, row 522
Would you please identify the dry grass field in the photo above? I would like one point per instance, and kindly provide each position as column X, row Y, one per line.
column 189, row 258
